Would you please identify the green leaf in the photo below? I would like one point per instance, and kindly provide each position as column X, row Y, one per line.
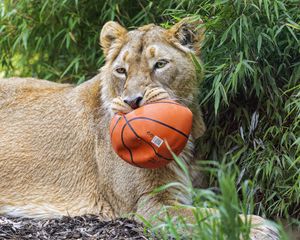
column 259, row 42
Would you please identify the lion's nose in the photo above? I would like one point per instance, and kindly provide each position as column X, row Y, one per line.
column 133, row 102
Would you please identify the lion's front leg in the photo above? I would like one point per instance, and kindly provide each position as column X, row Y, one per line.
column 261, row 229
column 156, row 209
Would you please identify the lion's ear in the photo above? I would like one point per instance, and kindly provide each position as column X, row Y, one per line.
column 188, row 34
column 111, row 32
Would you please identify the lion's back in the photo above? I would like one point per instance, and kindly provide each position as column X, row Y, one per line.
column 15, row 91
column 13, row 87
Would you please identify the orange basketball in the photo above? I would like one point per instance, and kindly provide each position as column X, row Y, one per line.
column 140, row 136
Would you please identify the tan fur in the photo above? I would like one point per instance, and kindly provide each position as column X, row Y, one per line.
column 55, row 152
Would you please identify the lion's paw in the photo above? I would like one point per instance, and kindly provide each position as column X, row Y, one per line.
column 119, row 106
column 262, row 229
column 155, row 94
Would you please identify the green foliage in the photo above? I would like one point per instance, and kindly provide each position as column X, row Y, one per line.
column 59, row 40
column 223, row 223
column 252, row 85
column 250, row 92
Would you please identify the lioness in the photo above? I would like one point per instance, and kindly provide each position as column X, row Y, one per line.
column 55, row 153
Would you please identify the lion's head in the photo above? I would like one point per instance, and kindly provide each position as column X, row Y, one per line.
column 151, row 64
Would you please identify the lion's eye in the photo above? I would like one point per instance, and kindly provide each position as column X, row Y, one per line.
column 121, row 70
column 160, row 64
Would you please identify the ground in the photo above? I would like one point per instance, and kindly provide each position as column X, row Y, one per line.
column 83, row 227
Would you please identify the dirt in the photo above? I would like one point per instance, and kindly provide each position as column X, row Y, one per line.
column 83, row 227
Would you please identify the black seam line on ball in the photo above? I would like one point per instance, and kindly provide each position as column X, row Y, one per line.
column 115, row 126
column 131, row 158
column 127, row 122
column 166, row 125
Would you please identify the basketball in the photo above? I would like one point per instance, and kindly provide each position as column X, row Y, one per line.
column 140, row 137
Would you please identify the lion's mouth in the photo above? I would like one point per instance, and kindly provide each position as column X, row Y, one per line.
column 126, row 105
